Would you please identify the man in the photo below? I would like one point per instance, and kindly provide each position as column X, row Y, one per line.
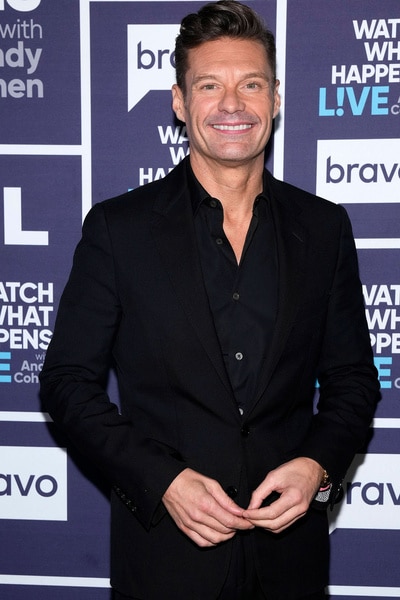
column 221, row 295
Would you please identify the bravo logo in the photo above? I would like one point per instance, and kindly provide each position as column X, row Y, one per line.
column 359, row 171
column 33, row 483
column 151, row 60
column 371, row 497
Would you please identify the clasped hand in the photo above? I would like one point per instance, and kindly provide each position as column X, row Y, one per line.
column 208, row 516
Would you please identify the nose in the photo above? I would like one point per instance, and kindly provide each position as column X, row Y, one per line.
column 231, row 101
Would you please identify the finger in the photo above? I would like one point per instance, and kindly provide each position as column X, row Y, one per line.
column 278, row 521
column 276, row 506
column 262, row 502
column 228, row 516
column 198, row 539
column 204, row 527
column 210, row 513
column 206, row 512
column 279, row 525
column 264, row 494
column 226, row 502
column 225, row 511
column 206, row 537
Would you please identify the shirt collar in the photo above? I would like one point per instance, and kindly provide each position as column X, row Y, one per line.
column 198, row 194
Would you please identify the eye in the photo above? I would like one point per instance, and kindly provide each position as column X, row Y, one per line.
column 252, row 85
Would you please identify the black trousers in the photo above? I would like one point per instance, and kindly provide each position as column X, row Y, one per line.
column 242, row 581
column 317, row 596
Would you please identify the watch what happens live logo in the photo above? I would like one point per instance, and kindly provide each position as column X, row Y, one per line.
column 26, row 309
column 365, row 89
column 20, row 56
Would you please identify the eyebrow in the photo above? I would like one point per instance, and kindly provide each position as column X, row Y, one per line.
column 252, row 75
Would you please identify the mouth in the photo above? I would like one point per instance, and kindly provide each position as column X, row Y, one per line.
column 241, row 127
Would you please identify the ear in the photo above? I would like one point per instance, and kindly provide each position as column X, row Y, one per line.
column 277, row 99
column 178, row 102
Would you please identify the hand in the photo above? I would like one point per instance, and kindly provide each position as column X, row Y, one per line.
column 202, row 510
column 297, row 482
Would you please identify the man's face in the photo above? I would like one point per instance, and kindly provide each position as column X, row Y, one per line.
column 230, row 101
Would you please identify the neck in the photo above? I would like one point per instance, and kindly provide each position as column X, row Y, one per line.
column 235, row 186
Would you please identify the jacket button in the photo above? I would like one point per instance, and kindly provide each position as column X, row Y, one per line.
column 231, row 491
column 245, row 430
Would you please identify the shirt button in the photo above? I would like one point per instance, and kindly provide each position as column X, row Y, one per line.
column 245, row 430
column 238, row 356
column 213, row 203
column 236, row 296
column 241, row 411
column 231, row 491
column 219, row 241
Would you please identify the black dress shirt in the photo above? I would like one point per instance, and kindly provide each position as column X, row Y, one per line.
column 242, row 297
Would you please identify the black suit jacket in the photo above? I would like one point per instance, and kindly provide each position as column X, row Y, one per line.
column 136, row 298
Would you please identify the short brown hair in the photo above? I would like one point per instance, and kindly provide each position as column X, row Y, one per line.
column 226, row 18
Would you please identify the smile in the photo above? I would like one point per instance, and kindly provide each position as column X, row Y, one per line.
column 242, row 127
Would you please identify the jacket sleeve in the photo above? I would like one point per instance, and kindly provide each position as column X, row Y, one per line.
column 74, row 380
column 349, row 387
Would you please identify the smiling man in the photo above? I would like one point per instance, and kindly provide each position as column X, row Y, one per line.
column 220, row 295
column 228, row 103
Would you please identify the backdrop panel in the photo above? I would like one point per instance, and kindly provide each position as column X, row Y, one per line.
column 85, row 114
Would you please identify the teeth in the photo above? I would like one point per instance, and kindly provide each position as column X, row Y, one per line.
column 232, row 127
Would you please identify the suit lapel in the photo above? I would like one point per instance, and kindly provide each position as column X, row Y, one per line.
column 291, row 240
column 175, row 236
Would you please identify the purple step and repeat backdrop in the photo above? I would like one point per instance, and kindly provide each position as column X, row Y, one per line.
column 84, row 115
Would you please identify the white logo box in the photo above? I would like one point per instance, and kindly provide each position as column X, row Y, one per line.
column 359, row 171
column 33, row 483
column 371, row 494
column 151, row 65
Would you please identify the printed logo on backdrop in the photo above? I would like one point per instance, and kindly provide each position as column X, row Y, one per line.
column 25, row 314
column 382, row 311
column 371, row 497
column 20, row 5
column 367, row 88
column 359, row 171
column 20, row 55
column 14, row 234
column 151, row 66
column 175, row 137
column 33, row 483
column 151, row 60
